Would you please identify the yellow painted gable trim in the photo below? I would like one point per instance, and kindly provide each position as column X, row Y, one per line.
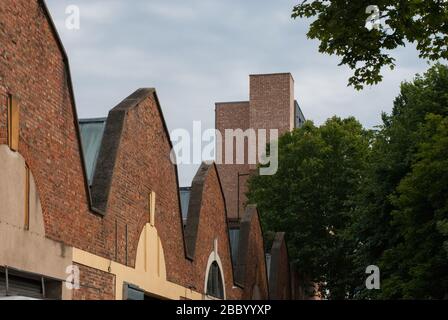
column 149, row 273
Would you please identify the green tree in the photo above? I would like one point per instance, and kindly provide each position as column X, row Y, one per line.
column 310, row 198
column 340, row 28
column 400, row 219
column 418, row 264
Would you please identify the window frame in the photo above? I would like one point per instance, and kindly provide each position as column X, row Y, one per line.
column 214, row 274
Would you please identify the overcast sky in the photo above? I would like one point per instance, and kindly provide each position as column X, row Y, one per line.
column 198, row 52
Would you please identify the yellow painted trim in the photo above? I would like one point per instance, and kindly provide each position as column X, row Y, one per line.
column 149, row 273
column 152, row 208
column 13, row 123
column 214, row 256
column 27, row 197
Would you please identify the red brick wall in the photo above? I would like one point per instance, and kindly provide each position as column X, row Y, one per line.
column 272, row 102
column 213, row 225
column 142, row 166
column 284, row 280
column 232, row 116
column 271, row 106
column 280, row 278
column 255, row 271
column 33, row 68
column 94, row 285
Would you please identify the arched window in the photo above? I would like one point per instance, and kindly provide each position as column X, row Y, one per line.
column 215, row 286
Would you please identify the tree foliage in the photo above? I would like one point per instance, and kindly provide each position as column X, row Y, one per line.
column 349, row 198
column 400, row 216
column 310, row 197
column 418, row 263
column 340, row 28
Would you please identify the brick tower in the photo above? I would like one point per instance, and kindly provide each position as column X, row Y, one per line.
column 271, row 105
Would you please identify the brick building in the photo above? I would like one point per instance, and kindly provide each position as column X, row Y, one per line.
column 271, row 106
column 99, row 199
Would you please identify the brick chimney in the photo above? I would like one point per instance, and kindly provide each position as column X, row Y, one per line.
column 272, row 102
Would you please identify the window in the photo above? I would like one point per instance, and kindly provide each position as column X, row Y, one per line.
column 19, row 284
column 215, row 286
column 132, row 292
column 92, row 131
column 185, row 202
column 234, row 235
column 13, row 123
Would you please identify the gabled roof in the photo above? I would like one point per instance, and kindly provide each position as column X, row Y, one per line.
column 72, row 97
column 194, row 209
column 110, row 144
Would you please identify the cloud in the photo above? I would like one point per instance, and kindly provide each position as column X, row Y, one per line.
column 198, row 52
column 172, row 11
